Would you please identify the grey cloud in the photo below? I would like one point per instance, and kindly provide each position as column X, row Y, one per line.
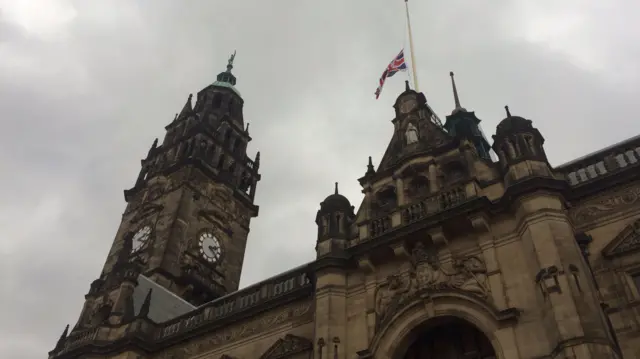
column 83, row 108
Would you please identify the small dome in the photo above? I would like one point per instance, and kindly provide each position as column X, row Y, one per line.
column 512, row 123
column 334, row 203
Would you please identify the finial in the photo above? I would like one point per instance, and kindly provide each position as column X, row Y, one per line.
column 406, row 85
column 247, row 129
column 63, row 337
column 507, row 109
column 231, row 58
column 256, row 162
column 187, row 109
column 370, row 169
column 65, row 332
column 155, row 143
column 175, row 118
column 455, row 90
column 336, row 187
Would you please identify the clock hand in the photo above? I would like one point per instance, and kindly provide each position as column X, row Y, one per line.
column 212, row 249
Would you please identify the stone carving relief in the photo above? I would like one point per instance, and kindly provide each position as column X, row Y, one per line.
column 287, row 346
column 617, row 201
column 468, row 274
column 232, row 333
column 426, row 276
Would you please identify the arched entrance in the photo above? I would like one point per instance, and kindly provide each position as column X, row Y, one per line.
column 448, row 338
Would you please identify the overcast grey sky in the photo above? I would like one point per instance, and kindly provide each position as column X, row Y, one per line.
column 85, row 87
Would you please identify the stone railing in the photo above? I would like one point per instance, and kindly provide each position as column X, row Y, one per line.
column 237, row 302
column 434, row 204
column 80, row 338
column 379, row 226
column 610, row 160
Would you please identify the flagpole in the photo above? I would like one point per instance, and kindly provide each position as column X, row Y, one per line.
column 413, row 59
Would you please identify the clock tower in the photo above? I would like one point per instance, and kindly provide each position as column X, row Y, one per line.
column 185, row 226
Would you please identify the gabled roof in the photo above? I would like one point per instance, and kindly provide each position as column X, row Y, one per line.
column 287, row 346
column 627, row 241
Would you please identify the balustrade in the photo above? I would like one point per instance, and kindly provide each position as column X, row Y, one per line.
column 589, row 169
column 238, row 302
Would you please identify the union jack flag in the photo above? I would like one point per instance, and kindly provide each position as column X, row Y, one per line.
column 398, row 64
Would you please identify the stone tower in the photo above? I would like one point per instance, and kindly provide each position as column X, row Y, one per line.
column 187, row 218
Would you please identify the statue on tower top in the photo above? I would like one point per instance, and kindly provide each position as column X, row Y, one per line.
column 231, row 58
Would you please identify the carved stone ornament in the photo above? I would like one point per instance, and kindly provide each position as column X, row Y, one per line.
column 287, row 346
column 628, row 240
column 467, row 274
column 617, row 201
column 146, row 210
column 239, row 331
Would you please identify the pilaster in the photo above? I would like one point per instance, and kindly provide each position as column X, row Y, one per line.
column 570, row 310
column 482, row 226
column 331, row 310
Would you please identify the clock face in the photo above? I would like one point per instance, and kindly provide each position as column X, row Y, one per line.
column 210, row 247
column 140, row 238
column 408, row 106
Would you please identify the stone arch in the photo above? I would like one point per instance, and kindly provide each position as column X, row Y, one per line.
column 393, row 339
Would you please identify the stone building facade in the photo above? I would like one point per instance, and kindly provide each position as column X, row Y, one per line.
column 451, row 254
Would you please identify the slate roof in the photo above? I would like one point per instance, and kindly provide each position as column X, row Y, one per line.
column 164, row 304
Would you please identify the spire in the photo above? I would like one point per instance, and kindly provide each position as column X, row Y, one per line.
column 456, row 99
column 455, row 90
column 406, row 85
column 246, row 130
column 336, row 188
column 506, row 108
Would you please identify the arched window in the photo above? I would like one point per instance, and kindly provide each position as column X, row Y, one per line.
column 387, row 197
column 227, row 135
column 220, row 165
column 217, row 101
column 455, row 172
column 419, row 186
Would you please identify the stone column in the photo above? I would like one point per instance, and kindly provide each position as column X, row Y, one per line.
column 433, row 178
column 400, row 191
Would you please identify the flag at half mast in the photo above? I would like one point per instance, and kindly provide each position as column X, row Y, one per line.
column 398, row 64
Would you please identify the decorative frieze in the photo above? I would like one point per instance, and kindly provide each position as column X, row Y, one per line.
column 602, row 206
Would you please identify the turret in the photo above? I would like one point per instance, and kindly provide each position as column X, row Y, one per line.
column 520, row 149
column 334, row 221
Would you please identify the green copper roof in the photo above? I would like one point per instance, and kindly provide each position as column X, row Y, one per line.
column 226, row 78
column 227, row 85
